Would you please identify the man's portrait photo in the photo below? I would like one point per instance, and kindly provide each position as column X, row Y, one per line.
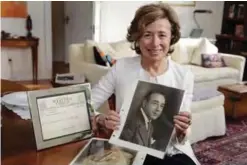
column 149, row 121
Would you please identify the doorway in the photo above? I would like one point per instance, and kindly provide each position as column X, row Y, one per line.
column 72, row 22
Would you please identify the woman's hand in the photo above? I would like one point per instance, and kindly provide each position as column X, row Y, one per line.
column 182, row 122
column 112, row 120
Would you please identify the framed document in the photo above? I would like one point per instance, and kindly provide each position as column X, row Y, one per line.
column 60, row 115
column 99, row 151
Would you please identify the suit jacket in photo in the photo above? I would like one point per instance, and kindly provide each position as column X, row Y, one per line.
column 135, row 131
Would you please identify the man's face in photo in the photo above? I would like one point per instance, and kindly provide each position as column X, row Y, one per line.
column 153, row 105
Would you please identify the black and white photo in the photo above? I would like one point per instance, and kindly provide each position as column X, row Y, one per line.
column 149, row 121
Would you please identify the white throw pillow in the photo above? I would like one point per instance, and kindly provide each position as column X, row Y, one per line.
column 122, row 49
column 180, row 53
column 205, row 46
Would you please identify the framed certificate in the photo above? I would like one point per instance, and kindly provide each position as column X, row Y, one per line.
column 99, row 151
column 60, row 115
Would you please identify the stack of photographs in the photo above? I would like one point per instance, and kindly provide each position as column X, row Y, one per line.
column 100, row 152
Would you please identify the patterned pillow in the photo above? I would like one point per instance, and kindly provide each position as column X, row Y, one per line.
column 98, row 58
column 212, row 61
column 101, row 58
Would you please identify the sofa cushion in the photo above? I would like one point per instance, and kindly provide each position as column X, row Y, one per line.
column 204, row 93
column 102, row 57
column 184, row 49
column 212, row 61
column 204, row 105
column 88, row 50
column 205, row 46
column 98, row 57
column 210, row 74
column 116, row 50
column 180, row 53
column 122, row 49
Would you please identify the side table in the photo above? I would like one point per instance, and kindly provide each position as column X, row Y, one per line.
column 235, row 99
column 33, row 43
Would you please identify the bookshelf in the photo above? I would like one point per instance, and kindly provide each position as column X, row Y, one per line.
column 233, row 37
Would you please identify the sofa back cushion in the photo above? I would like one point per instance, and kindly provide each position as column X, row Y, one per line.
column 184, row 49
column 180, row 53
column 115, row 50
column 204, row 47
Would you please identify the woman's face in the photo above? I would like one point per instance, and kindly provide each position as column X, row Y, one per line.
column 155, row 41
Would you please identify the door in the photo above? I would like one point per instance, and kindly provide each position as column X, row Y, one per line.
column 79, row 23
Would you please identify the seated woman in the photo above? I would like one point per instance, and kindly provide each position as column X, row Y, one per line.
column 153, row 31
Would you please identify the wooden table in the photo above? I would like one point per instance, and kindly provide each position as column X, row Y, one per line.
column 18, row 145
column 235, row 99
column 19, row 148
column 26, row 43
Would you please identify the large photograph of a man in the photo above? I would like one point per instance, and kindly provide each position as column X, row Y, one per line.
column 140, row 129
column 149, row 122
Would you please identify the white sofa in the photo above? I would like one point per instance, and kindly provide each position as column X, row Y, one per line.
column 207, row 111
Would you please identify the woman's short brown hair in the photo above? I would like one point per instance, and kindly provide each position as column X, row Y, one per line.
column 146, row 15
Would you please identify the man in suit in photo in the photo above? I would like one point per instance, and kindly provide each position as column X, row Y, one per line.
column 139, row 128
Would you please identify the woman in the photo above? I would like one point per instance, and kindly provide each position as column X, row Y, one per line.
column 153, row 31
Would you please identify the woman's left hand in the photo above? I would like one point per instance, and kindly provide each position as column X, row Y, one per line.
column 182, row 122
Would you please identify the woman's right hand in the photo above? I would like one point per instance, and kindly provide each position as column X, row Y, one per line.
column 112, row 120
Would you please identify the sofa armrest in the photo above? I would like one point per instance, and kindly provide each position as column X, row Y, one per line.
column 235, row 61
column 92, row 72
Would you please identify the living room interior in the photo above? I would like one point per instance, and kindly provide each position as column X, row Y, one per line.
column 67, row 37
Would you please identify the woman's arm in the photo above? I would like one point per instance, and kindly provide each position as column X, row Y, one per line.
column 186, row 105
column 101, row 92
column 104, row 88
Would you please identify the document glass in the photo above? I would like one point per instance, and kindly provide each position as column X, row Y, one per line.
column 60, row 115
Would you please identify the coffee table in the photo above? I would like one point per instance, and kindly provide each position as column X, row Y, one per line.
column 235, row 99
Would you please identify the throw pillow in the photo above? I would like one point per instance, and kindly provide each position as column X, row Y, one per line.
column 103, row 57
column 89, row 53
column 206, row 47
column 212, row 61
column 98, row 58
column 180, row 54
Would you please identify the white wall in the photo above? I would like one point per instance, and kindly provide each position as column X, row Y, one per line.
column 21, row 68
column 116, row 17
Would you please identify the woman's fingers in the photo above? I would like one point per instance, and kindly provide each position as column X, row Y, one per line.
column 112, row 115
column 182, row 125
column 183, row 117
column 112, row 120
column 111, row 124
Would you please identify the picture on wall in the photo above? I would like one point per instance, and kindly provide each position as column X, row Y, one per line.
column 16, row 9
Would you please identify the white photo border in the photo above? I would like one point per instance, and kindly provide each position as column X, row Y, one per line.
column 115, row 137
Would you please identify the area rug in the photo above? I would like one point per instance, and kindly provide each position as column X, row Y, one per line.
column 230, row 149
